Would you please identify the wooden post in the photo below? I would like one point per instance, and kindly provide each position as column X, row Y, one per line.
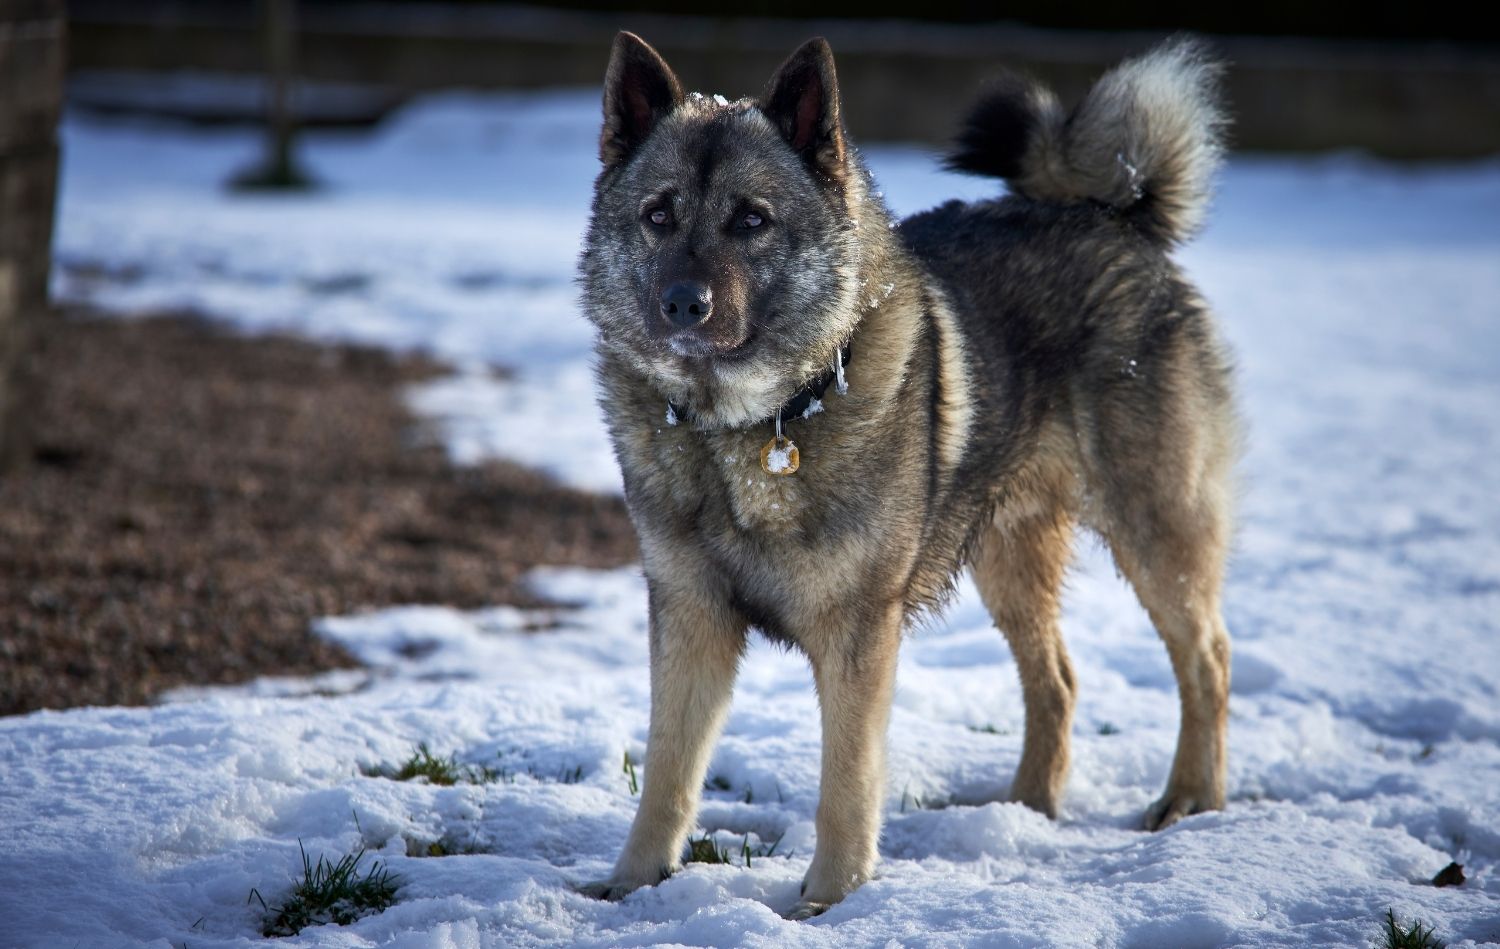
column 279, row 168
column 281, row 69
column 32, row 35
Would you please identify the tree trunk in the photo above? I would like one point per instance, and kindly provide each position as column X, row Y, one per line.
column 31, row 93
column 279, row 168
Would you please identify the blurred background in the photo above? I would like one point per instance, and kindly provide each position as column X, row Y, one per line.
column 287, row 327
column 1399, row 79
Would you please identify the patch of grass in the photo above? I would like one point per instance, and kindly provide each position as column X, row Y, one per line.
column 426, row 766
column 717, row 783
column 988, row 729
column 707, row 850
column 761, row 850
column 1398, row 937
column 1109, row 728
column 629, row 768
column 329, row 893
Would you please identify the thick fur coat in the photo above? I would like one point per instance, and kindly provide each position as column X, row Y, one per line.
column 1016, row 369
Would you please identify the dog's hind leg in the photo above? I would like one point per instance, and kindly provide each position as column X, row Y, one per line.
column 696, row 644
column 1018, row 567
column 1170, row 536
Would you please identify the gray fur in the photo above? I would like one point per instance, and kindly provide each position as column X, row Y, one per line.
column 1148, row 136
column 1021, row 367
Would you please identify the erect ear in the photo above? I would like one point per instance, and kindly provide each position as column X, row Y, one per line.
column 639, row 88
column 802, row 100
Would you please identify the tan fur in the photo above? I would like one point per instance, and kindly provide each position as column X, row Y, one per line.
column 1018, row 567
column 854, row 663
column 1055, row 373
column 854, row 691
column 695, row 652
column 956, row 406
column 1170, row 541
column 1169, row 535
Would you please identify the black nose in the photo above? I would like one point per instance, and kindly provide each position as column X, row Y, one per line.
column 687, row 304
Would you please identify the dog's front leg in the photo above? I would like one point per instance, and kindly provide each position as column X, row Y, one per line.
column 855, row 670
column 696, row 644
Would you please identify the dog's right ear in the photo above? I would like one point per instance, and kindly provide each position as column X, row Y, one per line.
column 639, row 88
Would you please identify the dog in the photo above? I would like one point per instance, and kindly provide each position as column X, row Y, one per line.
column 823, row 415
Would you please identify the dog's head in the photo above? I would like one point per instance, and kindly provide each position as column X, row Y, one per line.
column 724, row 256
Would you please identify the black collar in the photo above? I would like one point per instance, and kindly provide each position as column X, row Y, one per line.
column 804, row 403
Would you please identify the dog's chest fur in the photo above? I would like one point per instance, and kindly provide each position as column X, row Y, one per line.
column 715, row 474
column 759, row 501
column 718, row 474
column 851, row 522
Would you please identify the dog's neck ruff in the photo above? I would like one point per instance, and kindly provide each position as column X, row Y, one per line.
column 804, row 403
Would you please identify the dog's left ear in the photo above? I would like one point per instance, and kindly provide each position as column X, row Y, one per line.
column 802, row 100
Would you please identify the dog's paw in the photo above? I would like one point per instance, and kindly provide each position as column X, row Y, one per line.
column 827, row 883
column 611, row 890
column 628, row 876
column 1174, row 806
column 1041, row 799
column 805, row 909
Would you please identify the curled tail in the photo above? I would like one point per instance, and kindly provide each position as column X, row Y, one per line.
column 1146, row 139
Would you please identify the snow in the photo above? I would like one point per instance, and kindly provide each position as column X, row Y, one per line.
column 779, row 458
column 1363, row 599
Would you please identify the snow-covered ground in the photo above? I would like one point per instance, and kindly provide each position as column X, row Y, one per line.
column 1363, row 301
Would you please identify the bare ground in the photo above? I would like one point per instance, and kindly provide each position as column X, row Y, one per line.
column 198, row 497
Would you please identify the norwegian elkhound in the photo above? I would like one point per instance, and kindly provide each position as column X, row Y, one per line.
column 822, row 414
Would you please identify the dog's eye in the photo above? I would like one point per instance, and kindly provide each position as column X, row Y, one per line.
column 751, row 220
column 659, row 217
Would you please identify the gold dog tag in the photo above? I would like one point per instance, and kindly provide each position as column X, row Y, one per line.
column 780, row 456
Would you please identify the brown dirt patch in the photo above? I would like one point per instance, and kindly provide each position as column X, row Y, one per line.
column 199, row 497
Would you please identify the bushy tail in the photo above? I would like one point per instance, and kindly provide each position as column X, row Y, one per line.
column 1145, row 140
